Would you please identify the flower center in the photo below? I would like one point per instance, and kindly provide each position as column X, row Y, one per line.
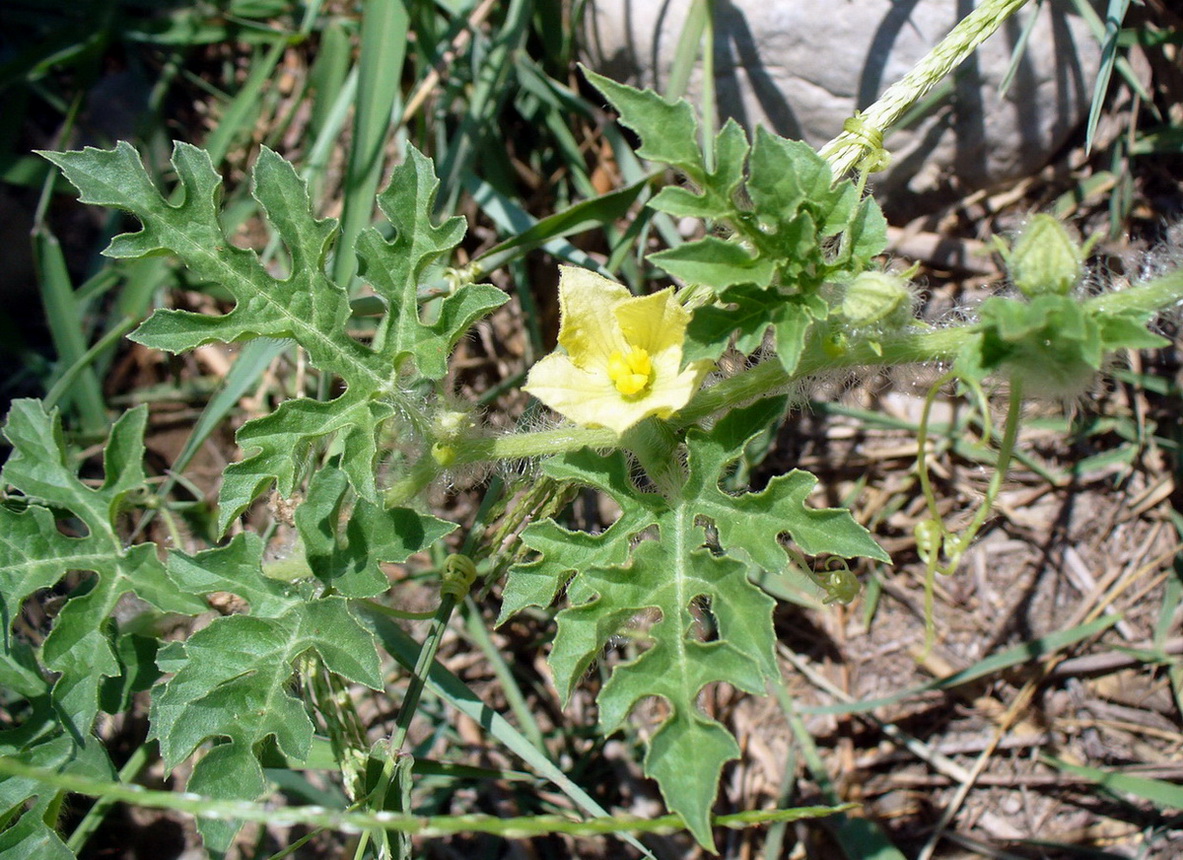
column 631, row 372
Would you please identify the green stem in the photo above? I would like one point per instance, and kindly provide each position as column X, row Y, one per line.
column 136, row 762
column 543, row 443
column 930, row 533
column 936, row 345
column 923, row 347
column 1006, row 450
column 939, row 537
column 846, row 150
column 519, row 827
column 458, row 575
column 928, row 346
column 377, row 798
column 1154, row 295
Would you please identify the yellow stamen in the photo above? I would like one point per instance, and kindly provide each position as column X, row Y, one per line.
column 631, row 373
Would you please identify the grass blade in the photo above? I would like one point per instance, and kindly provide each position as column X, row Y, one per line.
column 516, row 221
column 489, row 92
column 585, row 215
column 860, row 838
column 1114, row 15
column 383, row 50
column 65, row 325
column 1163, row 794
column 241, row 113
column 1016, row 57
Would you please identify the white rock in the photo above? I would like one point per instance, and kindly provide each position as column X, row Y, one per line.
column 801, row 68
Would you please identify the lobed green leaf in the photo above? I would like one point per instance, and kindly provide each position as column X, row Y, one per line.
column 709, row 623
column 306, row 305
column 345, row 548
column 668, row 130
column 233, row 684
column 35, row 554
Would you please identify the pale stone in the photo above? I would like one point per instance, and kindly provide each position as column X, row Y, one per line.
column 801, row 68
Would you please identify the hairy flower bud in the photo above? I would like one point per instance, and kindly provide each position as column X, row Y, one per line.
column 1044, row 259
column 875, row 297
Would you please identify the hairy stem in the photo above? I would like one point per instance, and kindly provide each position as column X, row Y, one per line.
column 770, row 376
column 915, row 347
column 1159, row 294
column 846, row 150
column 542, row 443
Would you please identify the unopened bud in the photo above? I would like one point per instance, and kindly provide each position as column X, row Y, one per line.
column 1044, row 259
column 873, row 297
column 450, row 424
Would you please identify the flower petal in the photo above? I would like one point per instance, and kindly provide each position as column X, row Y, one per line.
column 672, row 389
column 588, row 330
column 585, row 397
column 623, row 355
column 655, row 322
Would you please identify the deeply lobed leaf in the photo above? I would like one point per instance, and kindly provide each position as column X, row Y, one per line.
column 676, row 576
column 36, row 555
column 305, row 305
column 232, row 681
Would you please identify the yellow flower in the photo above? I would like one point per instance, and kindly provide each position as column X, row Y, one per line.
column 623, row 355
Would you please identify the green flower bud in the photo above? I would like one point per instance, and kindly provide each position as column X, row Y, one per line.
column 450, row 430
column 874, row 297
column 835, row 344
column 452, row 424
column 443, row 454
column 1045, row 259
